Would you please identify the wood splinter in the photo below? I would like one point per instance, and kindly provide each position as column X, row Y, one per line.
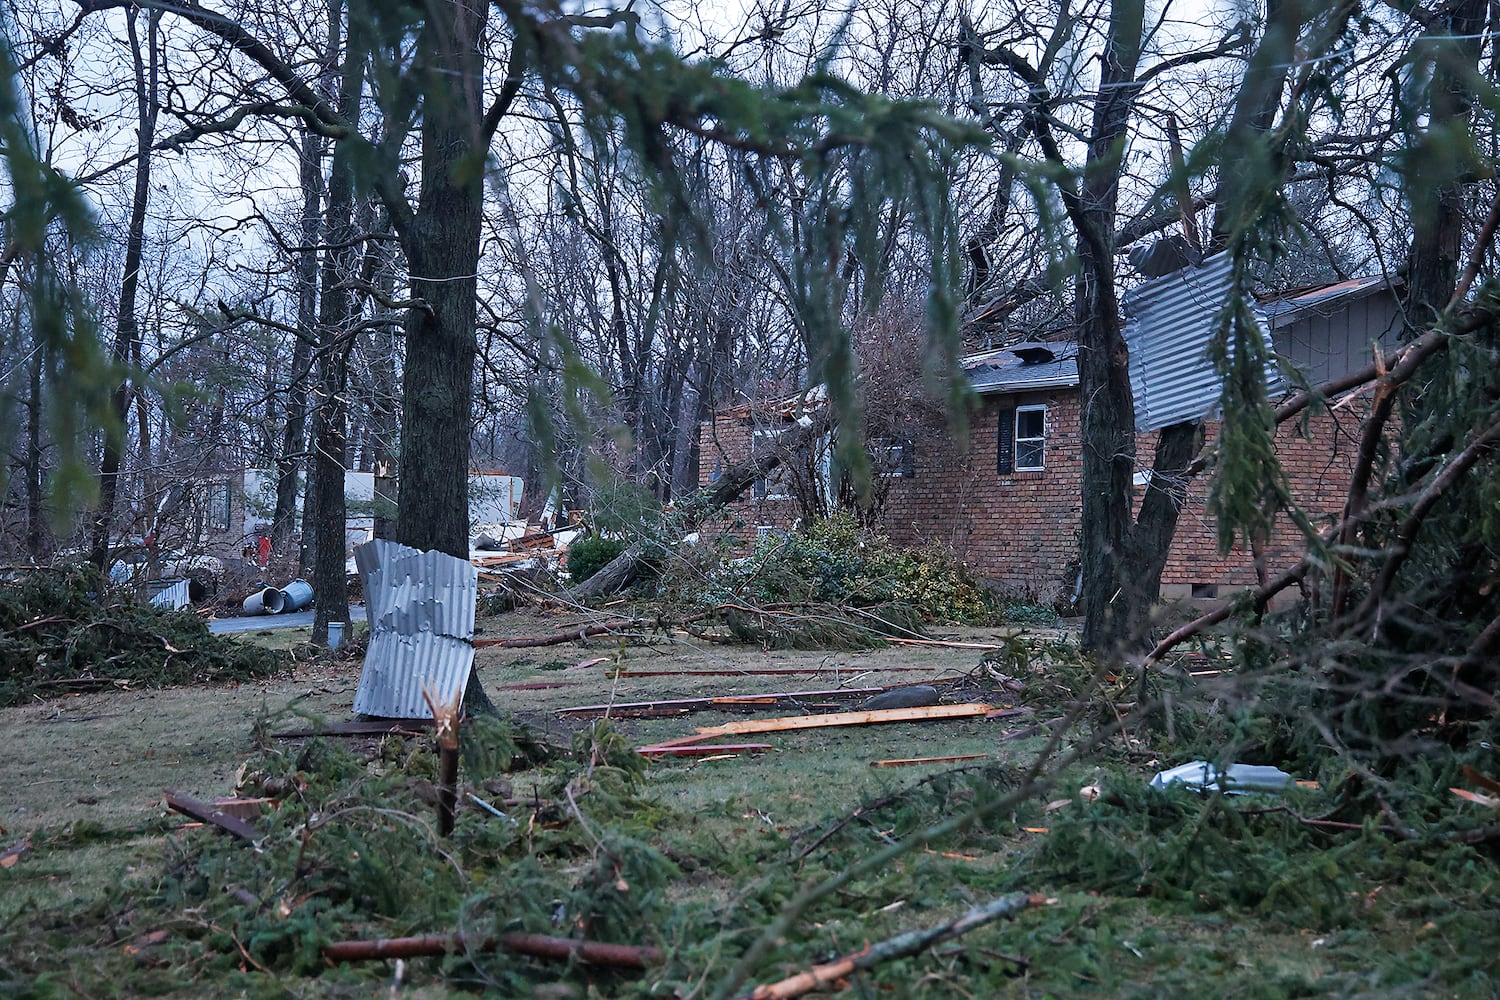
column 446, row 717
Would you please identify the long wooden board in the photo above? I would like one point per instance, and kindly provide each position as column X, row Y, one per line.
column 790, row 722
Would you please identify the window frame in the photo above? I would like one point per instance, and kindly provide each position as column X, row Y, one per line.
column 218, row 506
column 892, row 456
column 1039, row 439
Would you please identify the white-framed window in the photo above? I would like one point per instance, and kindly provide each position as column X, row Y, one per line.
column 1031, row 438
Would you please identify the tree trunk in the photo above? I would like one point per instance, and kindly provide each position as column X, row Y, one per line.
column 1108, row 418
column 36, row 528
column 127, row 331
column 1438, row 175
column 335, row 339
column 442, row 249
column 284, row 521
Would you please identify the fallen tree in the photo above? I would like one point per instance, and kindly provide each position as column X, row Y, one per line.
column 625, row 567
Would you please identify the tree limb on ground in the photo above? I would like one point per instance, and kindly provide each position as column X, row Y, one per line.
column 902, row 945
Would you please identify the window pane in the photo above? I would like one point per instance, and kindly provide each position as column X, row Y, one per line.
column 1029, row 423
column 1029, row 454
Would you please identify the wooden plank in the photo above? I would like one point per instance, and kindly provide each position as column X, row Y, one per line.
column 791, row 722
column 703, row 749
column 709, row 702
column 772, row 671
column 208, row 814
column 907, row 761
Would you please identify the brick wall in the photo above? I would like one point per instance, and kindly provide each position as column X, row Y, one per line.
column 1020, row 529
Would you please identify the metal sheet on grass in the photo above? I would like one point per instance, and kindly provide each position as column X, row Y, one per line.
column 420, row 606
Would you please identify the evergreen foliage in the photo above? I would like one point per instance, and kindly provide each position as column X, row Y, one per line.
column 66, row 630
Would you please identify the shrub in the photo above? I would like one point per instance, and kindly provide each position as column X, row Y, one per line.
column 587, row 556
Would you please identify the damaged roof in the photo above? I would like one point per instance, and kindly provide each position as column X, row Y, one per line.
column 1281, row 308
column 1031, row 364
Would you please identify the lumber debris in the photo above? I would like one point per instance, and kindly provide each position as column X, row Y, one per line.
column 245, row 809
column 556, row 638
column 720, row 701
column 702, row 749
column 772, row 671
column 625, row 956
column 205, row 813
column 909, row 761
column 791, row 722
column 13, row 853
column 821, row 977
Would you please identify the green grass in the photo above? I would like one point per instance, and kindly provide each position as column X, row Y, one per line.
column 1151, row 894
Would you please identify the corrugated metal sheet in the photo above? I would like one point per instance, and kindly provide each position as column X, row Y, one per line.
column 1005, row 371
column 174, row 597
column 420, row 606
column 1170, row 322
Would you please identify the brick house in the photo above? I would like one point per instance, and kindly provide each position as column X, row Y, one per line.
column 1004, row 495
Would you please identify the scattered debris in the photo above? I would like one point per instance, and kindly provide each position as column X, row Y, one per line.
column 829, row 976
column 703, row 749
column 908, row 761
column 205, row 813
column 619, row 709
column 420, row 606
column 772, row 671
column 13, row 853
column 912, row 696
column 385, row 727
column 558, row 638
column 625, row 956
column 1236, row 779
column 845, row 719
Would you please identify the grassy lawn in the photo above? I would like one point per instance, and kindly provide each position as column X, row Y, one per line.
column 1143, row 893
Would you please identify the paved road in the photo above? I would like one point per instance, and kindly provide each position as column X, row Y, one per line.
column 257, row 623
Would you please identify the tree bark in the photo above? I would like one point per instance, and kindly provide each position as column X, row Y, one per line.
column 284, row 520
column 127, row 330
column 1438, row 175
column 335, row 339
column 442, row 248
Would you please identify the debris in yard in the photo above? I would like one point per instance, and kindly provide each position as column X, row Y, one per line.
column 908, row 761
column 1237, row 779
column 558, row 638
column 770, row 671
column 822, row 977
column 625, row 956
column 245, row 809
column 387, row 727
column 721, row 701
column 206, row 813
column 420, row 606
column 845, row 719
column 914, row 696
column 13, row 853
column 702, row 749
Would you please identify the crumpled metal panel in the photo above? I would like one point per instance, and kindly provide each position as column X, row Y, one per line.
column 420, row 606
column 174, row 597
column 1169, row 324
